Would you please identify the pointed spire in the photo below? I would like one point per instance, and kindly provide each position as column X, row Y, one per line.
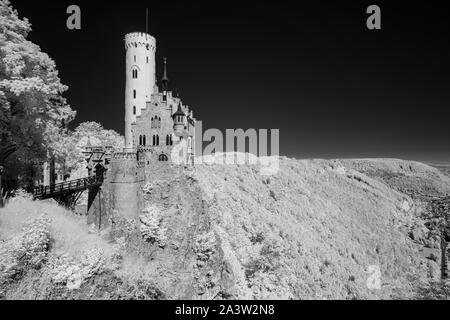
column 179, row 112
column 165, row 78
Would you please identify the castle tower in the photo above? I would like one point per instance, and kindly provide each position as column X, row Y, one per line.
column 178, row 121
column 140, row 77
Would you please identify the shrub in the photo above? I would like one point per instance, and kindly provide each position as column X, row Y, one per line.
column 21, row 194
column 268, row 260
column 27, row 249
column 433, row 290
column 73, row 272
column 205, row 246
column 151, row 226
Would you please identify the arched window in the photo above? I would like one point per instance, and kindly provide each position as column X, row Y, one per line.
column 152, row 125
column 135, row 74
column 159, row 122
column 157, row 140
column 134, row 94
column 163, row 157
column 140, row 140
column 154, row 140
column 134, row 109
column 144, row 140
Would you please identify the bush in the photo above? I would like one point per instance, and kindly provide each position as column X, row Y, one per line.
column 205, row 246
column 27, row 249
column 151, row 226
column 268, row 260
column 76, row 254
column 73, row 272
column 434, row 290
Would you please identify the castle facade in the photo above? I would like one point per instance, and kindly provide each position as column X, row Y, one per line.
column 155, row 120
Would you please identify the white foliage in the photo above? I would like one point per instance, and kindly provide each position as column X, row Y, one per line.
column 29, row 248
column 205, row 246
column 72, row 272
column 151, row 226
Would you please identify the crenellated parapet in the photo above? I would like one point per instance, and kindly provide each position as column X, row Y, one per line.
column 140, row 39
column 124, row 156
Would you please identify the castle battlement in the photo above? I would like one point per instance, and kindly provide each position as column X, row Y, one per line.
column 140, row 39
column 124, row 156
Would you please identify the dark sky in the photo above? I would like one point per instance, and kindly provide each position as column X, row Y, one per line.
column 313, row 70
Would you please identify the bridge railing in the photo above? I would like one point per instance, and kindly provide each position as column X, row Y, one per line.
column 72, row 185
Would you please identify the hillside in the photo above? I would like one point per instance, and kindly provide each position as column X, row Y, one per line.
column 319, row 229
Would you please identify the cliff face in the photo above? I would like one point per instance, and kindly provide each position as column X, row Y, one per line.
column 320, row 229
column 339, row 229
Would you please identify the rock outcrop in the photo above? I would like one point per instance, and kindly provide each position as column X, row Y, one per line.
column 319, row 229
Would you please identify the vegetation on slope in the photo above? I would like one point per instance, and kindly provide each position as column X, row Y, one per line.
column 316, row 230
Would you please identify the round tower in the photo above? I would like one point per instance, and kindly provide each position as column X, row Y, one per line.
column 139, row 76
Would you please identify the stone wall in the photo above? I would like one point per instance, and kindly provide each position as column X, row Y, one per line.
column 121, row 192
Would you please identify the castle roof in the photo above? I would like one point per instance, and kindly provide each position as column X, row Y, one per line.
column 165, row 77
column 179, row 112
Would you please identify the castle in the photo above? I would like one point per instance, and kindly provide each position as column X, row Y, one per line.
column 156, row 121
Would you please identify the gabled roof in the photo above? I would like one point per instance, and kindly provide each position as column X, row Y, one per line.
column 179, row 112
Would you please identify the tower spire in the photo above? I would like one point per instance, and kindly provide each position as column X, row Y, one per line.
column 165, row 78
column 146, row 20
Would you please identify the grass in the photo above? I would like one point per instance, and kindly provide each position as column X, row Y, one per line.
column 69, row 234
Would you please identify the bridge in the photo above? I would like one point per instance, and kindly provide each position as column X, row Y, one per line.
column 67, row 193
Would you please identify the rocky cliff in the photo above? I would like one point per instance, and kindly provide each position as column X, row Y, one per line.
column 319, row 229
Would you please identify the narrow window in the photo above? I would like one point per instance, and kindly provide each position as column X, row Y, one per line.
column 147, row 59
column 134, row 94
column 154, row 140
column 140, row 140
column 144, row 140
column 167, row 140
column 134, row 110
column 134, row 58
column 157, row 140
